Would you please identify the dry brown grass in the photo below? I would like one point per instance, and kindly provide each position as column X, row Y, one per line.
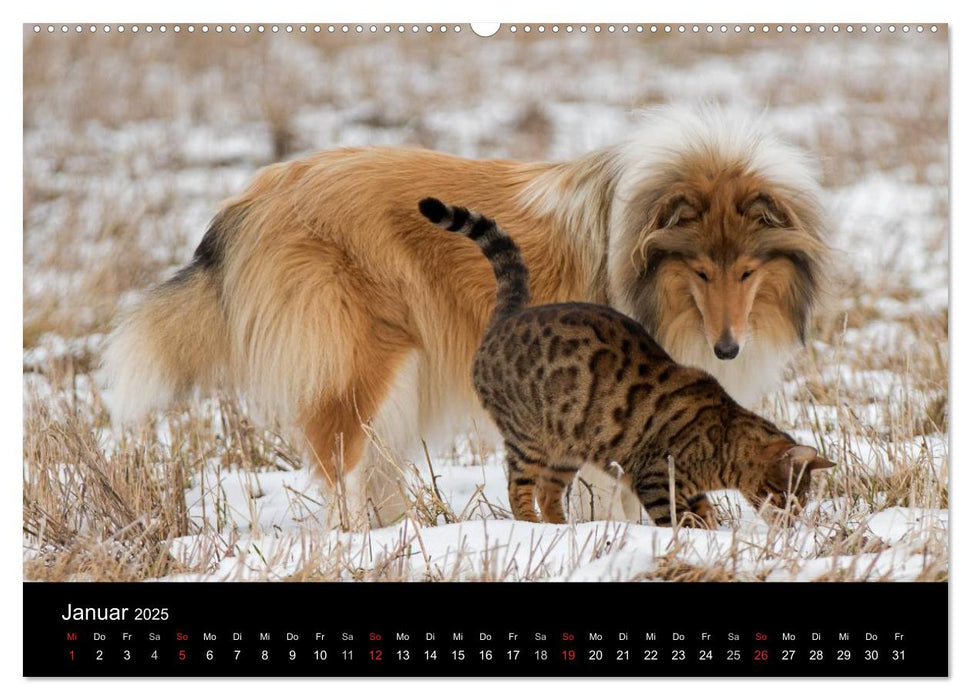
column 114, row 200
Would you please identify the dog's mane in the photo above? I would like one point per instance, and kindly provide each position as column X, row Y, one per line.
column 603, row 201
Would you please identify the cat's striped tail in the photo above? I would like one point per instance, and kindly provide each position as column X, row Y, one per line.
column 512, row 276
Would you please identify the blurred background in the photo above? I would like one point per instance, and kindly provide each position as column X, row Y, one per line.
column 131, row 142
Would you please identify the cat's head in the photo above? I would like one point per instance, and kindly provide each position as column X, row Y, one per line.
column 782, row 486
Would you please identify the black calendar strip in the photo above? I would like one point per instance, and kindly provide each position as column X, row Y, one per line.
column 473, row 629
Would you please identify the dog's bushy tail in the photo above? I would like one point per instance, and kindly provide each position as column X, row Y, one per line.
column 172, row 341
column 512, row 277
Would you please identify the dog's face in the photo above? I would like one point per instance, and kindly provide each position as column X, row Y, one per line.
column 724, row 295
column 723, row 257
column 723, row 267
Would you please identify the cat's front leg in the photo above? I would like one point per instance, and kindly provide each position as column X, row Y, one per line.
column 654, row 492
column 549, row 493
column 522, row 486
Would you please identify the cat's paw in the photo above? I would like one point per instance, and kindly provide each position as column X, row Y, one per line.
column 701, row 513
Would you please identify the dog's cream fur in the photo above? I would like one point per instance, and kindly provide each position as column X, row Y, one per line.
column 333, row 306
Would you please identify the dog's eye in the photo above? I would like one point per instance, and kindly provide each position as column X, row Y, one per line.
column 703, row 276
column 746, row 275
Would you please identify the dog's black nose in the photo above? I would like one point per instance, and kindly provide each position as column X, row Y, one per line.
column 726, row 349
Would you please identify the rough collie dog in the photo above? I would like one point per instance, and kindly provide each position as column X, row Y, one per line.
column 324, row 297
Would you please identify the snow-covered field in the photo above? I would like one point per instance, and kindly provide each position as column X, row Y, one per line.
column 130, row 143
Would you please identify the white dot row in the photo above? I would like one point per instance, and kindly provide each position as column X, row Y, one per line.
column 428, row 28
column 246, row 28
column 724, row 28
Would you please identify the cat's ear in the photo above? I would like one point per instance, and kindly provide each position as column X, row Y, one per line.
column 801, row 455
column 806, row 457
column 820, row 463
column 776, row 451
column 789, row 457
column 801, row 459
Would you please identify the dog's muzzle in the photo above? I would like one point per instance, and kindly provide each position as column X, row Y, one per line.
column 726, row 348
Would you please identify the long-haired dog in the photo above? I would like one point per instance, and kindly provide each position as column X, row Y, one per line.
column 325, row 298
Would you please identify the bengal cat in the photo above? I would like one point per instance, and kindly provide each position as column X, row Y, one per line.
column 570, row 384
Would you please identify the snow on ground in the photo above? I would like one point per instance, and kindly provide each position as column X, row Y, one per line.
column 272, row 523
column 484, row 548
column 131, row 143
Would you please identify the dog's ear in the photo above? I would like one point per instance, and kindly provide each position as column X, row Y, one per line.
column 766, row 209
column 670, row 210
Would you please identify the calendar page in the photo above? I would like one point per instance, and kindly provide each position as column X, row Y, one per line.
column 439, row 349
